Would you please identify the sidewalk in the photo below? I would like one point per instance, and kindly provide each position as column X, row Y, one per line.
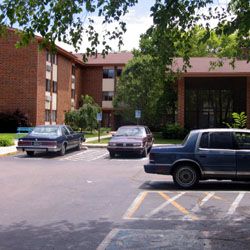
column 8, row 150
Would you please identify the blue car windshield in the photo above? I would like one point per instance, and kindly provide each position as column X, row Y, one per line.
column 130, row 132
column 46, row 130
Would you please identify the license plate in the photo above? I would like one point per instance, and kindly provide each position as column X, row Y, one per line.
column 36, row 143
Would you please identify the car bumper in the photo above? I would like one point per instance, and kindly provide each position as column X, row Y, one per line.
column 157, row 169
column 117, row 150
column 38, row 149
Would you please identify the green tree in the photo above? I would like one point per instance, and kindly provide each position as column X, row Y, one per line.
column 88, row 112
column 85, row 117
column 140, row 87
column 72, row 119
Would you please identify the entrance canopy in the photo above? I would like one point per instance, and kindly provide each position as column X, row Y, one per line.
column 207, row 96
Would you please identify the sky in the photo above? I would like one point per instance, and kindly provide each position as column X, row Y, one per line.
column 137, row 20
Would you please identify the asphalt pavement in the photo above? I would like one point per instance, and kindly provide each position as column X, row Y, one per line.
column 87, row 200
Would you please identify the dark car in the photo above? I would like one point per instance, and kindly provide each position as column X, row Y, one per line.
column 133, row 139
column 54, row 138
column 204, row 154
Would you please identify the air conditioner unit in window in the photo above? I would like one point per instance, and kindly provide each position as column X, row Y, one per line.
column 48, row 68
column 48, row 98
column 72, row 101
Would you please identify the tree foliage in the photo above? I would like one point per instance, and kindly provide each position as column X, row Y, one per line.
column 65, row 20
column 171, row 32
column 85, row 117
column 239, row 120
column 140, row 87
column 175, row 21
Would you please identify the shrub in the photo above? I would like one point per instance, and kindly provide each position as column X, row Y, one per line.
column 239, row 120
column 173, row 131
column 6, row 141
column 10, row 121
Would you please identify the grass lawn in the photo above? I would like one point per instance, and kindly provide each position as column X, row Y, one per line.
column 94, row 134
column 12, row 135
column 157, row 137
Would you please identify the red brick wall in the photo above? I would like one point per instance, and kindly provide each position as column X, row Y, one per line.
column 18, row 77
column 41, row 78
column 248, row 102
column 181, row 101
column 79, row 83
column 64, row 74
column 92, row 83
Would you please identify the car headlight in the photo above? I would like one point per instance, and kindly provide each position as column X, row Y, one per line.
column 112, row 144
column 137, row 144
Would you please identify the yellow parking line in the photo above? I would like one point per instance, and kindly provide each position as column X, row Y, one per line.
column 216, row 197
column 178, row 206
column 135, row 205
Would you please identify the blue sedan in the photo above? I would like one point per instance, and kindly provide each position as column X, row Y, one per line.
column 222, row 154
column 50, row 138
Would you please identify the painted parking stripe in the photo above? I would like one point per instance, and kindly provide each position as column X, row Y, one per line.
column 107, row 240
column 98, row 157
column 198, row 206
column 179, row 207
column 135, row 205
column 236, row 203
column 163, row 205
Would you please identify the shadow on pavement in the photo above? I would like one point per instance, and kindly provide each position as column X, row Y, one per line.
column 202, row 186
column 48, row 155
column 56, row 236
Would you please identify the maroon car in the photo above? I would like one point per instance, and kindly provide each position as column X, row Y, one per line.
column 134, row 139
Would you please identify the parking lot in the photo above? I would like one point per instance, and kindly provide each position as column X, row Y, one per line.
column 85, row 200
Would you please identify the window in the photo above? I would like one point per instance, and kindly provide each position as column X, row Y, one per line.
column 73, row 70
column 65, row 131
column 70, row 130
column 47, row 115
column 107, row 95
column 48, row 56
column 204, row 140
column 221, row 140
column 54, row 86
column 47, row 87
column 73, row 93
column 54, row 58
column 243, row 140
column 53, row 115
column 119, row 72
column 108, row 73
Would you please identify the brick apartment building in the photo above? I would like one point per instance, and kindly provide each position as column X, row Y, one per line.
column 45, row 86
column 100, row 79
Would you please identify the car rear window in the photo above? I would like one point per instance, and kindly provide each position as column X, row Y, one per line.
column 131, row 132
column 46, row 130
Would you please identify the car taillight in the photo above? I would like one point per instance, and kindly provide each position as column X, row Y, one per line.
column 49, row 143
column 151, row 157
column 24, row 143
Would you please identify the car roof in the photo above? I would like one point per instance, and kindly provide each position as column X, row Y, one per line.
column 133, row 126
column 220, row 130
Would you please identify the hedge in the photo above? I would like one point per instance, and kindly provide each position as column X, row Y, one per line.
column 6, row 141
